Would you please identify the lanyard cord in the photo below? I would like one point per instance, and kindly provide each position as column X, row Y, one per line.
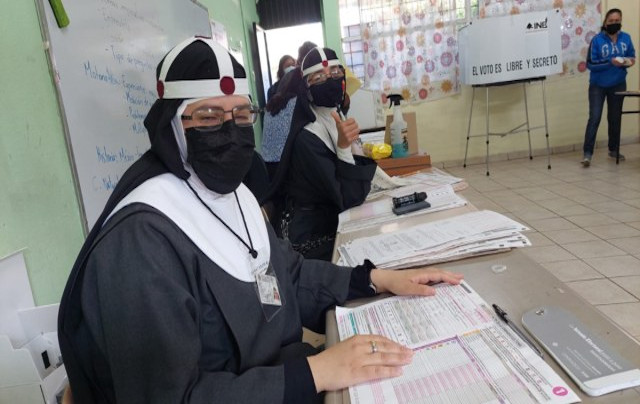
column 252, row 251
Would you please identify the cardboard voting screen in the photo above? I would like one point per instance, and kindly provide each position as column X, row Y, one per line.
column 514, row 47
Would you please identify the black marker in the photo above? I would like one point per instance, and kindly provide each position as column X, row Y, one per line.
column 503, row 316
column 409, row 199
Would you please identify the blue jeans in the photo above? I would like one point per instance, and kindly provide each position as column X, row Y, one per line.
column 597, row 96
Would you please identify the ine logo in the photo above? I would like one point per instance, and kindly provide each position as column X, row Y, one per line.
column 538, row 25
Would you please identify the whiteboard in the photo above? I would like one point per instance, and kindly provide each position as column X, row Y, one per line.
column 513, row 47
column 103, row 65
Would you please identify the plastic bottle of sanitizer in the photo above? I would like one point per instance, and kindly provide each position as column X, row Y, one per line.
column 398, row 129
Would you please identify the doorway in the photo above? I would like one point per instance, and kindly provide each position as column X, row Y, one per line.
column 277, row 42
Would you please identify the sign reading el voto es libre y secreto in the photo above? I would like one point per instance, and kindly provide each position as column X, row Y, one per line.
column 513, row 47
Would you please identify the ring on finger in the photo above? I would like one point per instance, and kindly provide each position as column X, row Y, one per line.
column 374, row 347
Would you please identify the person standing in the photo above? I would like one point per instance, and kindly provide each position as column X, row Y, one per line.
column 285, row 65
column 611, row 52
column 281, row 102
column 277, row 119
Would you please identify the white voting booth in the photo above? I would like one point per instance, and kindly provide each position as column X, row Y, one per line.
column 515, row 49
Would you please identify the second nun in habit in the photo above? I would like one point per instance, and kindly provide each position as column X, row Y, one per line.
column 319, row 176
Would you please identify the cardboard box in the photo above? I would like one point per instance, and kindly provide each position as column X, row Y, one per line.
column 405, row 165
column 365, row 110
column 31, row 369
column 412, row 131
column 21, row 380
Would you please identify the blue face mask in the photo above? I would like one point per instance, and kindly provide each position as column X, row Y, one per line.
column 288, row 69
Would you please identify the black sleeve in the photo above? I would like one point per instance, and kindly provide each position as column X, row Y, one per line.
column 345, row 184
column 299, row 386
column 359, row 285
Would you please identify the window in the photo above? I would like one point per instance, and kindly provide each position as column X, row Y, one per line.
column 352, row 48
column 351, row 39
column 466, row 10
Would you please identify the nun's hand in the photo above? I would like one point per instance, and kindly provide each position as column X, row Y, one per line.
column 356, row 360
column 348, row 131
column 408, row 282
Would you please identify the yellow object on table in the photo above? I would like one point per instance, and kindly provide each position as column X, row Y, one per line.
column 376, row 151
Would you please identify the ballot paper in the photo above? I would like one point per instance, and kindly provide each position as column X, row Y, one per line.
column 470, row 234
column 435, row 177
column 383, row 185
column 382, row 181
column 462, row 352
column 373, row 213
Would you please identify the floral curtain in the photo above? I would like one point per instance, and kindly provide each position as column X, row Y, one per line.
column 410, row 48
column 581, row 21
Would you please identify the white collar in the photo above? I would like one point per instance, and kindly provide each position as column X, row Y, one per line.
column 172, row 196
column 324, row 126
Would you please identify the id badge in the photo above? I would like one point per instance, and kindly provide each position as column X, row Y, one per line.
column 268, row 291
column 267, row 286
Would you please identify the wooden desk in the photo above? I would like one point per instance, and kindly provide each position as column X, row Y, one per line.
column 523, row 286
column 405, row 165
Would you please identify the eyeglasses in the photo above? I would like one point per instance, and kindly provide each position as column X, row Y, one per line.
column 210, row 119
column 335, row 72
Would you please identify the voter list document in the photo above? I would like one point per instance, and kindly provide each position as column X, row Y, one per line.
column 462, row 352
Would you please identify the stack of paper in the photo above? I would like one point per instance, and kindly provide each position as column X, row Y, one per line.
column 462, row 353
column 382, row 184
column 471, row 234
column 376, row 212
column 435, row 177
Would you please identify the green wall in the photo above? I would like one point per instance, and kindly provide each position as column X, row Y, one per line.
column 38, row 207
column 331, row 19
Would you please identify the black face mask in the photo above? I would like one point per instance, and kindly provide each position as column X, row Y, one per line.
column 221, row 159
column 613, row 29
column 327, row 94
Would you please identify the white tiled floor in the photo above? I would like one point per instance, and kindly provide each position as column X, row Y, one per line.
column 585, row 221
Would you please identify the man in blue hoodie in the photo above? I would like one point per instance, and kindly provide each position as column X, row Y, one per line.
column 611, row 52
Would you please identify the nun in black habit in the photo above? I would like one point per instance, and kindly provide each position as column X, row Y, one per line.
column 318, row 176
column 182, row 292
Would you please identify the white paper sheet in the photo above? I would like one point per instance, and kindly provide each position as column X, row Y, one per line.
column 462, row 353
column 382, row 181
column 373, row 213
column 15, row 294
column 426, row 180
column 476, row 232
